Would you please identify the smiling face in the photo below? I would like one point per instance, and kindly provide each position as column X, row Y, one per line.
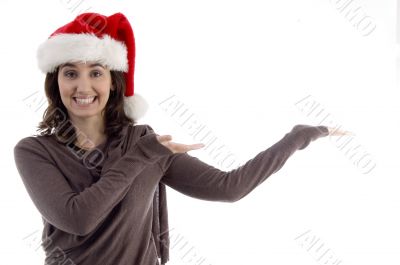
column 84, row 89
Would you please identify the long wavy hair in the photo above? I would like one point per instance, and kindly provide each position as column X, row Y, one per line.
column 56, row 120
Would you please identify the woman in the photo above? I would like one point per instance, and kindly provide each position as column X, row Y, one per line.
column 97, row 179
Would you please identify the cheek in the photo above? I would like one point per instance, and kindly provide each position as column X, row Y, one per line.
column 65, row 92
column 104, row 97
column 104, row 91
column 63, row 87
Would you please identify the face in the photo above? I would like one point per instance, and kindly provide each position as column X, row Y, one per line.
column 84, row 89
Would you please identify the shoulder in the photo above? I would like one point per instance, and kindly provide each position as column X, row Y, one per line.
column 41, row 145
column 31, row 141
column 31, row 147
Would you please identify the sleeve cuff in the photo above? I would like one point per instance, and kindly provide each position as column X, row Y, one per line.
column 302, row 135
column 151, row 147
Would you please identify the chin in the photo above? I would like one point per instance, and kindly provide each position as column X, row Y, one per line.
column 85, row 113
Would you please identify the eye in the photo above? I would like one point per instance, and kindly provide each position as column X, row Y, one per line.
column 68, row 73
column 97, row 73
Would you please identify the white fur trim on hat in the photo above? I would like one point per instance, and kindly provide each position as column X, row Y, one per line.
column 62, row 48
column 135, row 106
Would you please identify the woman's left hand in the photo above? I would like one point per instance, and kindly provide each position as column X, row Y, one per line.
column 336, row 132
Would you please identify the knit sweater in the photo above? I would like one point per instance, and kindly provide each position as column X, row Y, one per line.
column 108, row 205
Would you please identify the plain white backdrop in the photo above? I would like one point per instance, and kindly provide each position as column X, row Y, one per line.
column 239, row 69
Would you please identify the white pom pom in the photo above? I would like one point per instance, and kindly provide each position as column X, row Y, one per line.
column 135, row 106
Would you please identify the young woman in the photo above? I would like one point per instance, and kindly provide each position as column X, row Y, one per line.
column 96, row 177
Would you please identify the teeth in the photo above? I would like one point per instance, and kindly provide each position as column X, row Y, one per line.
column 84, row 101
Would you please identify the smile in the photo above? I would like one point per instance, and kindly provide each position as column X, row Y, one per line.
column 86, row 101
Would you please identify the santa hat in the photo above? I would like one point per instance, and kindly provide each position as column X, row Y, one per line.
column 95, row 37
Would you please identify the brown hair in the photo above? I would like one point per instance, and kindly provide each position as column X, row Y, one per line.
column 56, row 119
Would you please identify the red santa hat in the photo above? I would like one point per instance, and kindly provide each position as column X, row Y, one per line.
column 95, row 37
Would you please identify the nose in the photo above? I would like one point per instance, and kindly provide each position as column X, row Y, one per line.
column 84, row 85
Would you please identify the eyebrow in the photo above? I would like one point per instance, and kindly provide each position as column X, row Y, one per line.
column 72, row 65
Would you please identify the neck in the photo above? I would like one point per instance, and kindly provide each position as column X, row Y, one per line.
column 90, row 132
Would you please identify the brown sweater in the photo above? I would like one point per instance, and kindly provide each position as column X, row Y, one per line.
column 108, row 205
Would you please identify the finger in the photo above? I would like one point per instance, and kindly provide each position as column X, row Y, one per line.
column 335, row 131
column 197, row 146
column 165, row 137
column 186, row 148
column 345, row 133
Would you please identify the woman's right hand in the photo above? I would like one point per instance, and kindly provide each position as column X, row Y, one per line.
column 177, row 147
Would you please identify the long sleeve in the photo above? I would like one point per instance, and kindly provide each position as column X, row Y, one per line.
column 191, row 176
column 80, row 213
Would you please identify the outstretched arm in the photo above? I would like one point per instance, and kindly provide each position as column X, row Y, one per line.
column 193, row 177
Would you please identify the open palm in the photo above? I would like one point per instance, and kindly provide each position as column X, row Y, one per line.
column 177, row 147
column 335, row 132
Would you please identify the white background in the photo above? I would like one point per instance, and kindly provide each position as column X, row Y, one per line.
column 239, row 67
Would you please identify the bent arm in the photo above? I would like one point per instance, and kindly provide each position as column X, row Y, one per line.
column 80, row 213
column 191, row 176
